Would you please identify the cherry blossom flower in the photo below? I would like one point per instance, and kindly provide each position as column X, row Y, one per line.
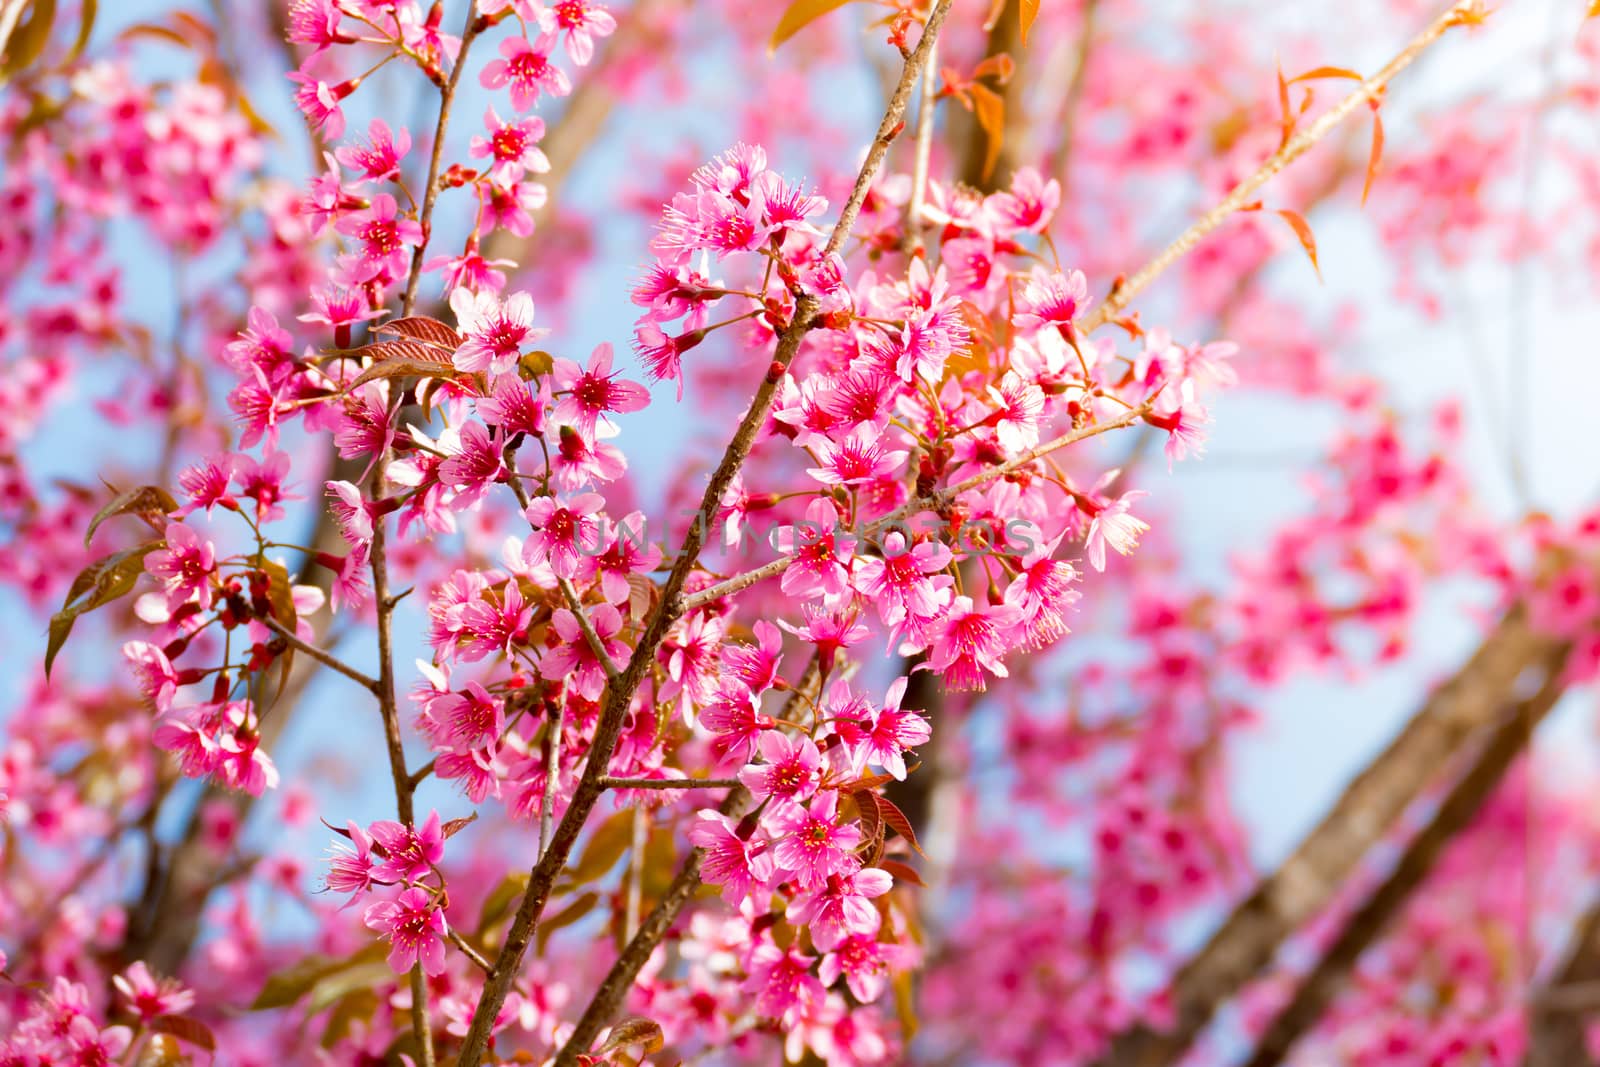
column 185, row 564
column 862, row 961
column 385, row 238
column 580, row 21
column 513, row 146
column 350, row 867
column 527, row 69
column 415, row 926
column 815, row 847
column 470, row 718
column 1111, row 525
column 842, row 907
column 739, row 865
column 1051, row 299
column 476, row 461
column 379, row 159
column 319, row 102
column 904, row 581
column 1030, row 203
column 409, row 853
column 496, row 332
column 890, row 733
column 564, row 532
column 859, row 458
column 782, row 982
column 968, row 642
column 595, row 390
column 147, row 996
column 791, row 771
column 821, row 551
column 575, row 658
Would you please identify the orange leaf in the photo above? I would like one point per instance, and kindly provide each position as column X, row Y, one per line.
column 990, row 107
column 1000, row 65
column 1377, row 153
column 1028, row 10
column 1326, row 72
column 797, row 17
column 1303, row 231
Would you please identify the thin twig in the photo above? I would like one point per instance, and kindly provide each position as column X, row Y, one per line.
column 421, row 1024
column 911, row 241
column 597, row 646
column 552, row 769
column 932, row 501
column 430, row 192
column 467, row 950
column 1293, row 149
column 327, row 659
column 668, row 783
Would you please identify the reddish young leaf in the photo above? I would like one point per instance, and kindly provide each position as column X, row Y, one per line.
column 193, row 1031
column 422, row 328
column 149, row 502
column 455, row 826
column 903, row 872
column 902, row 825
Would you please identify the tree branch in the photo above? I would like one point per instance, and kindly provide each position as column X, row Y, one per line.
column 1454, row 813
column 608, row 997
column 1370, row 806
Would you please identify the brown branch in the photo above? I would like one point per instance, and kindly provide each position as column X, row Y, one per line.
column 669, row 783
column 1293, row 149
column 430, row 192
column 1370, row 806
column 1556, row 1020
column 931, row 502
column 327, row 659
column 608, row 997
column 1454, row 813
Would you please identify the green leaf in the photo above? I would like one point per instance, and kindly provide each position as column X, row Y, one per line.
column 146, row 501
column 606, row 846
column 29, row 39
column 497, row 905
column 335, row 987
column 635, row 1030
column 96, row 585
column 800, row 14
column 582, row 905
column 293, row 982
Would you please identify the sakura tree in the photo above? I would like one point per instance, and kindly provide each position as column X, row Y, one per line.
column 682, row 533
